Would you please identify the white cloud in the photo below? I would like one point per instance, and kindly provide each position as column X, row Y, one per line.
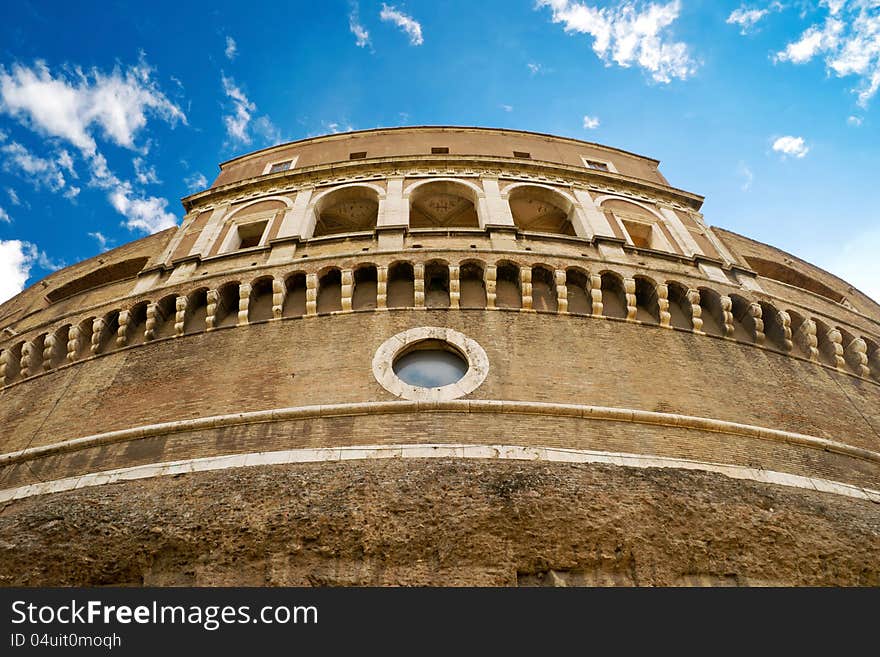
column 17, row 258
column 746, row 18
column 792, row 146
column 238, row 124
column 39, row 171
column 13, row 196
column 70, row 106
column 142, row 213
column 534, row 68
column 144, row 174
column 335, row 128
column 231, row 50
column 507, row 108
column 100, row 239
column 4, row 217
column 747, row 176
column 849, row 41
column 591, row 122
column 145, row 214
column 196, row 182
column 630, row 34
column 406, row 23
column 361, row 35
column 854, row 120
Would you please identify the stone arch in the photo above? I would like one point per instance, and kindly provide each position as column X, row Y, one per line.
column 250, row 224
column 137, row 323
column 347, row 209
column 613, row 295
column 437, row 284
column 366, row 287
column 84, row 334
column 472, row 281
column 827, row 347
column 58, row 355
column 295, row 295
column 777, row 333
column 644, row 226
column 508, row 290
column 260, row 300
column 196, row 311
column 107, row 337
column 681, row 314
column 647, row 302
column 712, row 312
column 12, row 363
column 544, row 295
column 443, row 203
column 401, row 285
column 803, row 334
column 226, row 311
column 165, row 315
column 855, row 353
column 743, row 322
column 577, row 286
column 541, row 209
column 329, row 297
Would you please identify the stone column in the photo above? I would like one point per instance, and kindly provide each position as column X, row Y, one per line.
column 179, row 315
column 211, row 310
column 596, row 295
column 382, row 287
column 244, row 303
column 419, row 285
column 279, row 291
column 525, row 283
column 347, row 289
column 663, row 305
column 693, row 297
column 491, row 275
column 454, row 287
column 311, row 294
column 561, row 291
column 629, row 286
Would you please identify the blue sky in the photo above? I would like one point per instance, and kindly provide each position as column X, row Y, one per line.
column 110, row 112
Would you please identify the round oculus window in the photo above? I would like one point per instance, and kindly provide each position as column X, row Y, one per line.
column 430, row 364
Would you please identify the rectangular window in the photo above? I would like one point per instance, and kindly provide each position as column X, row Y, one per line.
column 280, row 166
column 439, row 150
column 250, row 235
column 359, row 155
column 599, row 166
column 523, row 155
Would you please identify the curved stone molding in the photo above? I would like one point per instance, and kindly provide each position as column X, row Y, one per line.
column 434, row 451
column 383, row 361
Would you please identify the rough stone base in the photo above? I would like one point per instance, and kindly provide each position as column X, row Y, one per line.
column 440, row 522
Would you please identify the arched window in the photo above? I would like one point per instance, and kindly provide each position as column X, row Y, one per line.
column 508, row 293
column 347, row 210
column 613, row 296
column 137, row 324
column 544, row 290
column 680, row 311
column 473, row 285
column 295, row 299
column 773, row 327
column 437, row 285
column 647, row 305
column 577, row 285
column 443, row 204
column 166, row 314
column 711, row 312
column 743, row 322
column 59, row 352
column 226, row 312
column 401, row 285
column 330, row 291
column 365, row 288
column 540, row 210
column 196, row 311
column 643, row 227
column 260, row 303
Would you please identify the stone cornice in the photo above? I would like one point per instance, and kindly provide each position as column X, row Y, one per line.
column 438, row 165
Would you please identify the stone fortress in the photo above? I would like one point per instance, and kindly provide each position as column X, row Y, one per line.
column 440, row 356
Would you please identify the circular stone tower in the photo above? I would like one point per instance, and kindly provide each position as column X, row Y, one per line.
column 446, row 356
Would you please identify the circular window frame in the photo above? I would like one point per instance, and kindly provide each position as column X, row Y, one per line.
column 400, row 344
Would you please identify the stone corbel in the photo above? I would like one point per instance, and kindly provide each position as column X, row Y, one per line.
column 856, row 354
column 525, row 283
column 179, row 315
column 491, row 277
column 278, row 294
column 756, row 313
column 693, row 297
column 629, row 287
column 244, row 303
column 663, row 305
column 596, row 295
column 561, row 291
